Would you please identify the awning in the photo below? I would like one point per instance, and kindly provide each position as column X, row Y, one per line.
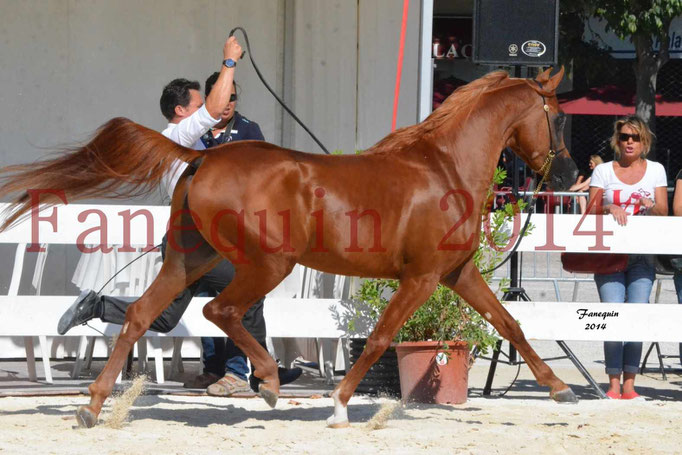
column 612, row 100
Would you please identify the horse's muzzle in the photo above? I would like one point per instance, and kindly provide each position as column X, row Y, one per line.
column 563, row 172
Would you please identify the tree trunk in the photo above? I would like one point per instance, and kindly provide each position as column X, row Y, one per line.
column 647, row 65
column 646, row 71
column 646, row 91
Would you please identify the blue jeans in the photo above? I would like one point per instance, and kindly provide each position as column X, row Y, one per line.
column 631, row 286
column 677, row 279
column 222, row 356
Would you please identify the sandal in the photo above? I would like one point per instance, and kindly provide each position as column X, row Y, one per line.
column 613, row 395
column 632, row 396
column 228, row 385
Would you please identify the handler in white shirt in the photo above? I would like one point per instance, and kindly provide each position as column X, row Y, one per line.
column 192, row 119
column 181, row 103
column 189, row 118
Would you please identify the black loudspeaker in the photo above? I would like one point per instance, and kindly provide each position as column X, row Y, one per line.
column 519, row 32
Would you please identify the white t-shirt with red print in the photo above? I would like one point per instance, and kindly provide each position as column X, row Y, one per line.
column 627, row 196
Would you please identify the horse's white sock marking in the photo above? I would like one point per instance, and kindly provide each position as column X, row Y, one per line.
column 340, row 412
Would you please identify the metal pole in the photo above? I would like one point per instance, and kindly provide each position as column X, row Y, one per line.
column 582, row 369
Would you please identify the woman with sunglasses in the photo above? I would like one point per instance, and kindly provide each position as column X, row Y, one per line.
column 630, row 185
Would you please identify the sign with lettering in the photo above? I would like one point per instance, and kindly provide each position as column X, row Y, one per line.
column 595, row 321
column 595, row 30
column 451, row 38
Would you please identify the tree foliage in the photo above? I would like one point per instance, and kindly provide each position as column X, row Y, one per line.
column 630, row 18
column 589, row 58
column 643, row 22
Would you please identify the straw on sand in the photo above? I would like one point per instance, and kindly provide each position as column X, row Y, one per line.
column 123, row 403
column 387, row 410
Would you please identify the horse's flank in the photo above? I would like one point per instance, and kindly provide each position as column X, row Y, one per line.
column 370, row 214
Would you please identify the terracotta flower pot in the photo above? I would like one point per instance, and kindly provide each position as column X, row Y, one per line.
column 429, row 374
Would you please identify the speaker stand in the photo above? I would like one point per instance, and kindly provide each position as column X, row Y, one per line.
column 516, row 294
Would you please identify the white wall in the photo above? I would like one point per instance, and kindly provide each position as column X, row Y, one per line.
column 379, row 40
column 69, row 66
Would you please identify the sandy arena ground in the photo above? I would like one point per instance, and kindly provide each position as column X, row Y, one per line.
column 205, row 425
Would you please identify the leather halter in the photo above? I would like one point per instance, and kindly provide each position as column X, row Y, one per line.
column 547, row 165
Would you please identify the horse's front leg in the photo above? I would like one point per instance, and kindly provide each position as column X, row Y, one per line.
column 411, row 294
column 469, row 284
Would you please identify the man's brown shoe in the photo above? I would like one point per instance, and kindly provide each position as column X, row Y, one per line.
column 201, row 381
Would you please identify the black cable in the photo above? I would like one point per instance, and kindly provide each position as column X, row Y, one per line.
column 262, row 79
column 88, row 325
column 260, row 76
column 126, row 266
column 518, row 370
column 114, row 276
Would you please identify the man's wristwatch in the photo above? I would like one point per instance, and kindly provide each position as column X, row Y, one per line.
column 229, row 63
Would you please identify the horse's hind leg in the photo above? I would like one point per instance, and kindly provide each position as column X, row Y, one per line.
column 251, row 282
column 188, row 257
column 172, row 279
column 411, row 294
column 139, row 317
column 469, row 284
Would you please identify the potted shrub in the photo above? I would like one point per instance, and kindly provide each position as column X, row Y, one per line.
column 434, row 346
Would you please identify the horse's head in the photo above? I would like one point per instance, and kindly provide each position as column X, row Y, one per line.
column 539, row 134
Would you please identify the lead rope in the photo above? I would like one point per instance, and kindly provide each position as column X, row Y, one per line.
column 531, row 209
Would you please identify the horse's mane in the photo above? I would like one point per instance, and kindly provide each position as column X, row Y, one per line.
column 461, row 100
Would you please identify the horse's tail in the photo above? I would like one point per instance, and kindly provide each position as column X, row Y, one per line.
column 123, row 160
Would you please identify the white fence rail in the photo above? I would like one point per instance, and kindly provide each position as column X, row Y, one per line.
column 315, row 317
column 287, row 314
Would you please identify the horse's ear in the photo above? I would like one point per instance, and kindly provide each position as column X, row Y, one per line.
column 543, row 77
column 554, row 81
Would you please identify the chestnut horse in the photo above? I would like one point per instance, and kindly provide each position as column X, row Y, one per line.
column 408, row 208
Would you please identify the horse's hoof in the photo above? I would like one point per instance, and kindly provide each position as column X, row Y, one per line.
column 332, row 422
column 85, row 417
column 565, row 396
column 269, row 396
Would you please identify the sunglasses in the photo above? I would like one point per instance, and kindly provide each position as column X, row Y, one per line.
column 624, row 137
column 233, row 98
